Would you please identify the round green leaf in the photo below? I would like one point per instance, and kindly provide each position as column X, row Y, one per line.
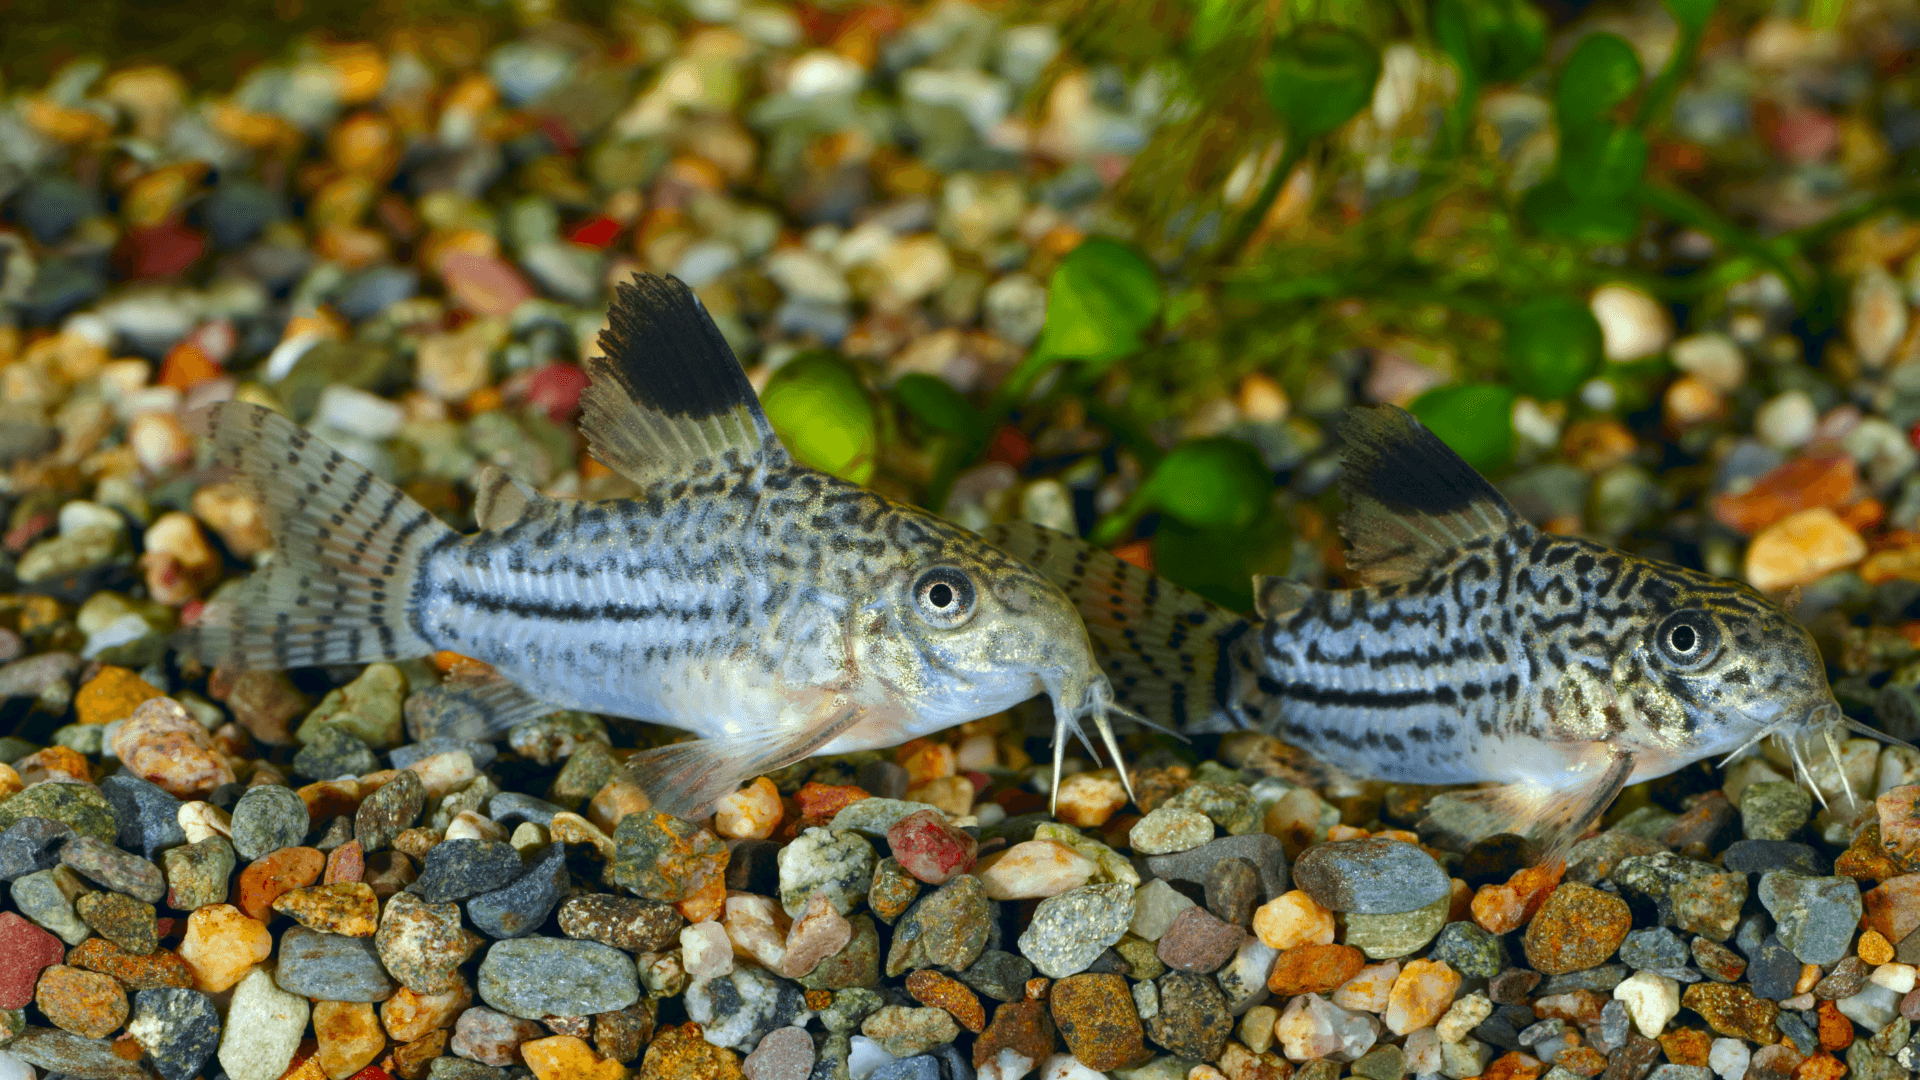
column 1556, row 211
column 1602, row 162
column 1496, row 41
column 939, row 406
column 1552, row 346
column 1101, row 298
column 1602, row 72
column 1476, row 421
column 821, row 412
column 1215, row 483
column 1319, row 77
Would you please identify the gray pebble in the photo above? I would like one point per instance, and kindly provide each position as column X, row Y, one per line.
column 520, row 907
column 742, row 1007
column 30, row 845
column 512, row 806
column 331, row 967
column 149, row 818
column 1070, row 930
column 266, row 819
column 1370, row 876
column 458, row 869
column 1261, row 850
column 537, row 977
column 1816, row 917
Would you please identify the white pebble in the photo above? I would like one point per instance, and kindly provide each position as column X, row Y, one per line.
column 1714, row 359
column 1423, row 1052
column 1461, row 1017
column 264, row 1025
column 1872, row 1008
column 80, row 514
column 1155, row 905
column 1729, row 1058
column 1876, row 316
column 357, row 412
column 1651, row 1001
column 705, row 950
column 1067, row 1067
column 866, row 1057
column 12, row 1068
column 1787, row 421
column 1633, row 325
column 1898, row 978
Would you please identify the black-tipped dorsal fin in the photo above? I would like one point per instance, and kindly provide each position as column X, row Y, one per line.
column 1411, row 500
column 500, row 500
column 666, row 399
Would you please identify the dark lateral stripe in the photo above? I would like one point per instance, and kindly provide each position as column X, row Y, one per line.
column 549, row 611
column 1334, row 698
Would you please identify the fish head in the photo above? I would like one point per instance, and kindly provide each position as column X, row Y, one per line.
column 985, row 633
column 1718, row 669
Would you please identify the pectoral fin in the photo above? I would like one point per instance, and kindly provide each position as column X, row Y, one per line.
column 1551, row 816
column 501, row 501
column 483, row 705
column 687, row 778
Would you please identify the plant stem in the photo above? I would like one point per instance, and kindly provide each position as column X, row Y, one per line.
column 1661, row 94
column 1688, row 209
column 1291, row 155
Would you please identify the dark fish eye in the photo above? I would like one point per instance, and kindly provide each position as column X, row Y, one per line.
column 1687, row 638
column 944, row 597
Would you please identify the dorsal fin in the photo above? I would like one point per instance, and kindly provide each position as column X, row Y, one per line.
column 1410, row 499
column 667, row 399
column 501, row 500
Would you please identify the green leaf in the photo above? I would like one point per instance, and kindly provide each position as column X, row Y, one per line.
column 1476, row 421
column 1552, row 346
column 1220, row 564
column 1211, row 483
column 939, row 406
column 1602, row 163
column 1601, row 73
column 1555, row 210
column 1494, row 41
column 1319, row 77
column 1216, row 21
column 821, row 411
column 1102, row 297
column 1692, row 14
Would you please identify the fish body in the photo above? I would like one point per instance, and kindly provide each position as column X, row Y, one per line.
column 770, row 608
column 1477, row 649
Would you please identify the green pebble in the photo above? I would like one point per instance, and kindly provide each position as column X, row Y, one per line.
column 79, row 805
column 1774, row 810
column 1383, row 937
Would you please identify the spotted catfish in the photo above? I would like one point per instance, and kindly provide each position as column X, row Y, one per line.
column 1477, row 648
column 768, row 607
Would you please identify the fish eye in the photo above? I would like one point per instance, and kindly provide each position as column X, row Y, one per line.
column 1687, row 639
column 944, row 597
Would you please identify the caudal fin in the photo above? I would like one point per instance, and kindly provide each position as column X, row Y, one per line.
column 347, row 548
column 1170, row 654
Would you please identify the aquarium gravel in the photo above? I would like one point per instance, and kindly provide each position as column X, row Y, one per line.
column 408, row 248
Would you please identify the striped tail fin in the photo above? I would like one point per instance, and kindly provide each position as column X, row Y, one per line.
column 347, row 551
column 1169, row 653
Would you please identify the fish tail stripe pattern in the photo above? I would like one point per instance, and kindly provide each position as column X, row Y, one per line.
column 347, row 553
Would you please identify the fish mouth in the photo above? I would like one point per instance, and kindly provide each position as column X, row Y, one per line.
column 1076, row 698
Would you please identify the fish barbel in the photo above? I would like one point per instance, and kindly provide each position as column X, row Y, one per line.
column 1478, row 648
column 770, row 608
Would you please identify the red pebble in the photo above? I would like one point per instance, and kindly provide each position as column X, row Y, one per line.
column 25, row 951
column 930, row 849
column 596, row 232
column 556, row 388
column 371, row 1072
column 159, row 251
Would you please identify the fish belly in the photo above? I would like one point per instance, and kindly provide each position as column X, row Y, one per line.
column 698, row 632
